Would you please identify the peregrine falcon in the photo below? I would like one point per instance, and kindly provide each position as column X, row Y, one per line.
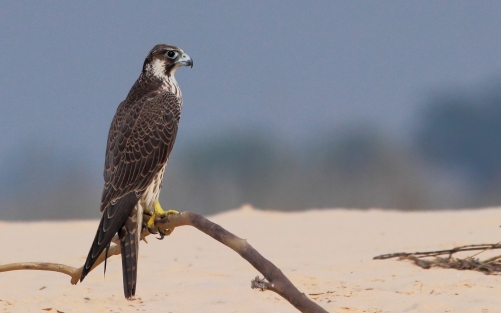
column 140, row 140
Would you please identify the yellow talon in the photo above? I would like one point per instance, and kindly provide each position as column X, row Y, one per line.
column 151, row 221
column 158, row 208
column 159, row 212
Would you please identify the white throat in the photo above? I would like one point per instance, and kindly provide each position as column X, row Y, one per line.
column 158, row 69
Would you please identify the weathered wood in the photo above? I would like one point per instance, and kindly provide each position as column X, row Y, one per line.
column 276, row 280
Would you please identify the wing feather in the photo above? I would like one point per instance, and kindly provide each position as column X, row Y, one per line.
column 141, row 138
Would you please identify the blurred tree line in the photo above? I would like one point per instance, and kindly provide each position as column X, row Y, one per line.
column 453, row 160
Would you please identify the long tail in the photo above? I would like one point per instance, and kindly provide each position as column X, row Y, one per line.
column 129, row 243
column 114, row 217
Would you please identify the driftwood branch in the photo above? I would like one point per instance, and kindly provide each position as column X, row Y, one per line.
column 275, row 281
column 430, row 259
column 71, row 271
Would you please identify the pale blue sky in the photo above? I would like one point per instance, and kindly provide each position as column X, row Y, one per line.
column 294, row 69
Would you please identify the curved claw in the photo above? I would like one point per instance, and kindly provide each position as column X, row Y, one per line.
column 162, row 235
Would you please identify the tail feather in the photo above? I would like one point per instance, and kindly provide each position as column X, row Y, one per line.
column 114, row 217
column 130, row 247
column 129, row 243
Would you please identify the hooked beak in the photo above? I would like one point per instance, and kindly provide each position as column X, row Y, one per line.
column 185, row 60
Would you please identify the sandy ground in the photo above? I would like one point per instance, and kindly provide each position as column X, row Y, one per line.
column 327, row 254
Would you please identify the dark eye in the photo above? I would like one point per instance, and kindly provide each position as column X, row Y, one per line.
column 171, row 54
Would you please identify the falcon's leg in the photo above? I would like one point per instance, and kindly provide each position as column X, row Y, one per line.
column 158, row 212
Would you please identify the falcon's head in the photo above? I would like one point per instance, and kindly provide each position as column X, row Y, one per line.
column 163, row 61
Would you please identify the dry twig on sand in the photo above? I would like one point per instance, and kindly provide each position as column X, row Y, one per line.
column 488, row 266
column 276, row 280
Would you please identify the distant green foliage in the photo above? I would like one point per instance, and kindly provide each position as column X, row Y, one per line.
column 464, row 132
column 352, row 169
column 453, row 161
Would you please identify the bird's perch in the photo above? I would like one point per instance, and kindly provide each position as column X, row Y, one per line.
column 275, row 281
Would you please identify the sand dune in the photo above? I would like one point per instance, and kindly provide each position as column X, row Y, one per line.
column 326, row 254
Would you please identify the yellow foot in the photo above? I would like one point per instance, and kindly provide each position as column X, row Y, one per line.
column 159, row 213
